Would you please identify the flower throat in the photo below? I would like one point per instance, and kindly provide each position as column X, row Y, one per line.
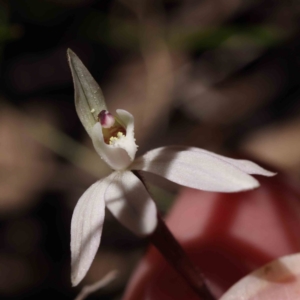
column 112, row 130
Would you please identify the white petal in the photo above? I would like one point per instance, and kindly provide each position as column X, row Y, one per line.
column 246, row 166
column 200, row 169
column 103, row 282
column 120, row 155
column 127, row 120
column 128, row 200
column 86, row 228
column 89, row 100
column 116, row 157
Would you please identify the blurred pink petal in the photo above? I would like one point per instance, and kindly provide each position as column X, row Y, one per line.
column 226, row 235
column 278, row 280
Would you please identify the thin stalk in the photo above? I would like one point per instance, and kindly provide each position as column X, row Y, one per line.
column 163, row 239
column 165, row 242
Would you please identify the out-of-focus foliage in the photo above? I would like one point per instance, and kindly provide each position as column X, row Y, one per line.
column 8, row 31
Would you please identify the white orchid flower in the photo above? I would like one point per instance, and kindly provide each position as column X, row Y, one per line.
column 122, row 192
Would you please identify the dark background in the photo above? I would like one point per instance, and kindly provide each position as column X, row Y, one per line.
column 217, row 74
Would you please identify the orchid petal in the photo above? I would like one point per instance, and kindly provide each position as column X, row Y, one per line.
column 200, row 169
column 116, row 157
column 127, row 120
column 120, row 155
column 86, row 228
column 89, row 100
column 246, row 166
column 103, row 282
column 128, row 200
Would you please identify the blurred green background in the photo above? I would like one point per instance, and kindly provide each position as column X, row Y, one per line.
column 217, row 74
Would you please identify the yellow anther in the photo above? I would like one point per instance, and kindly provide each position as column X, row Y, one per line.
column 93, row 110
column 114, row 139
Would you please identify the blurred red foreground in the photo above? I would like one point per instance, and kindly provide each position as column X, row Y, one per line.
column 226, row 235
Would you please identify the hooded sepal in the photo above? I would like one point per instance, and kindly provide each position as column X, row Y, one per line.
column 89, row 100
